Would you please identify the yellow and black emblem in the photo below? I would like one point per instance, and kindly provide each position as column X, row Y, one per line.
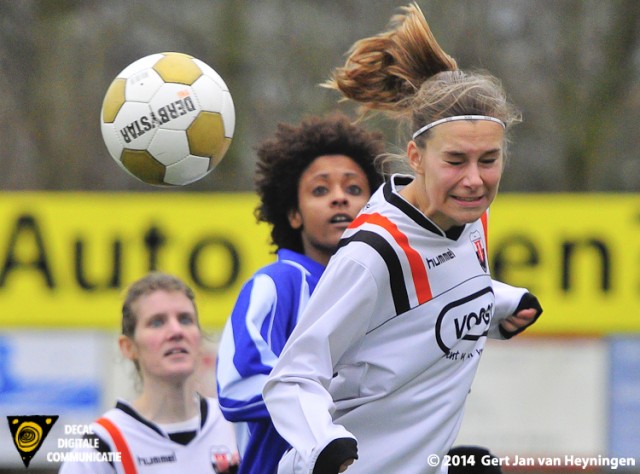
column 29, row 432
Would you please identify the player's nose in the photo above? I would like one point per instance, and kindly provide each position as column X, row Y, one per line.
column 339, row 196
column 472, row 176
column 175, row 329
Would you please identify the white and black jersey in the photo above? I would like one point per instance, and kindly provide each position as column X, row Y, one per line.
column 388, row 345
column 145, row 447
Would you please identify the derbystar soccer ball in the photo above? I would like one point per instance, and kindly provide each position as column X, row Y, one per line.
column 168, row 119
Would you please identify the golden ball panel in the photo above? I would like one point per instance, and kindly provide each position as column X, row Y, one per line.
column 206, row 136
column 217, row 159
column 178, row 68
column 141, row 164
column 113, row 100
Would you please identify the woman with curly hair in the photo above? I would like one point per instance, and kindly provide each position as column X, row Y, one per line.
column 380, row 364
column 312, row 180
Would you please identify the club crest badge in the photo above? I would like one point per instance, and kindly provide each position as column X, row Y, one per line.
column 478, row 246
column 224, row 461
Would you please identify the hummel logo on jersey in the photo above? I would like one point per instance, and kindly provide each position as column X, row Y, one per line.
column 476, row 240
column 440, row 259
column 151, row 460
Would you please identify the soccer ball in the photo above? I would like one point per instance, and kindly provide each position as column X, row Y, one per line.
column 168, row 119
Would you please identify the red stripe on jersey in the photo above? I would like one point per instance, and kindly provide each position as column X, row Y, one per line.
column 121, row 445
column 418, row 269
column 485, row 225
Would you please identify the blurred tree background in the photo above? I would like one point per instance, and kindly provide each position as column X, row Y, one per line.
column 572, row 66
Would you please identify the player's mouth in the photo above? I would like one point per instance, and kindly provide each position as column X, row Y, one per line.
column 176, row 350
column 469, row 200
column 341, row 219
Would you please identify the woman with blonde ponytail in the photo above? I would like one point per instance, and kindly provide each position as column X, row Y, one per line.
column 385, row 72
column 375, row 375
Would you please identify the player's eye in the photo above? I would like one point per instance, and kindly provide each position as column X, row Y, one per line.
column 488, row 161
column 187, row 319
column 156, row 322
column 319, row 191
column 354, row 190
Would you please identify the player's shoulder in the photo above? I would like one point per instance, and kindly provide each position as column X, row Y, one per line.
column 211, row 405
column 215, row 424
column 278, row 269
column 210, row 408
column 372, row 234
column 275, row 276
column 115, row 415
column 102, row 430
column 289, row 265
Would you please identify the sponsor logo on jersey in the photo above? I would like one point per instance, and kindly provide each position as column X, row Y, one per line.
column 161, row 459
column 478, row 246
column 466, row 319
column 440, row 259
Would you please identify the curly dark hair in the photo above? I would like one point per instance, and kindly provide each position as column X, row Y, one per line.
column 283, row 158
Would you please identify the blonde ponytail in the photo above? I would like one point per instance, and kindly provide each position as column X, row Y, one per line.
column 383, row 72
column 404, row 73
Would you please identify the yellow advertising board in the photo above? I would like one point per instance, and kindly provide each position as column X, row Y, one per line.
column 65, row 258
column 579, row 253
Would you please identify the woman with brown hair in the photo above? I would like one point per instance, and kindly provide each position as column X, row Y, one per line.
column 169, row 427
column 380, row 364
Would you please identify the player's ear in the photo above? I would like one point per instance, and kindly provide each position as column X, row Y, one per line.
column 127, row 347
column 295, row 219
column 415, row 157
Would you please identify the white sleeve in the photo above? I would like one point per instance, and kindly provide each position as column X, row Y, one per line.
column 296, row 392
column 507, row 299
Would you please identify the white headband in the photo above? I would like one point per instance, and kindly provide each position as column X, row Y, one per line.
column 455, row 118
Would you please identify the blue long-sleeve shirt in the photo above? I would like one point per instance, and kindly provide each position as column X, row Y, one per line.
column 265, row 313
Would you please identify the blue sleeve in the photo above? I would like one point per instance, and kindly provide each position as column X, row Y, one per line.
column 260, row 323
